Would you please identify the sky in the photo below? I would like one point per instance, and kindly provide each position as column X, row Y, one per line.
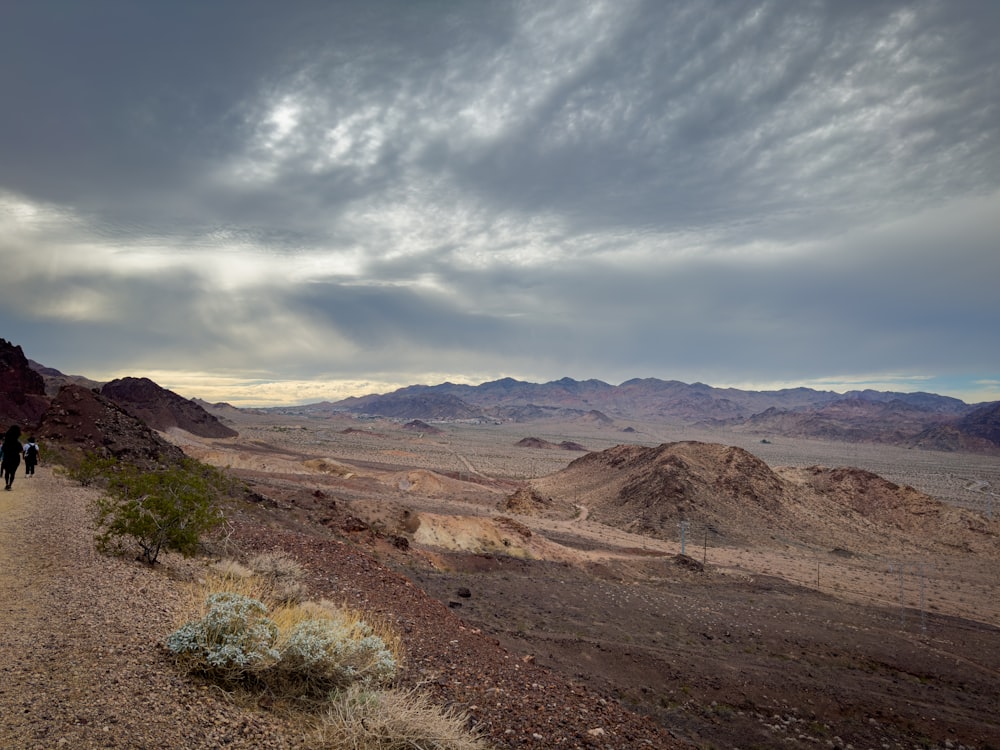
column 274, row 203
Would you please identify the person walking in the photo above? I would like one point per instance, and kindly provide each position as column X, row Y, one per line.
column 30, row 457
column 12, row 450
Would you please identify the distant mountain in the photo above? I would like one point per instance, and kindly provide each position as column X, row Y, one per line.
column 54, row 380
column 983, row 422
column 162, row 409
column 221, row 409
column 413, row 403
column 858, row 416
column 853, row 419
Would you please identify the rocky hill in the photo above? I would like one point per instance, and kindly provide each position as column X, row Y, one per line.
column 421, row 427
column 162, row 409
column 733, row 495
column 80, row 420
column 983, row 422
column 22, row 390
column 535, row 442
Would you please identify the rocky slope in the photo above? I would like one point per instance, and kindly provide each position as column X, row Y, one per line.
column 737, row 497
column 22, row 390
column 80, row 420
column 162, row 409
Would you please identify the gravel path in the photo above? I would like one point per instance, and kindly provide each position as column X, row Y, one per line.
column 80, row 665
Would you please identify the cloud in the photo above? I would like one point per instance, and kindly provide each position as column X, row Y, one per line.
column 388, row 192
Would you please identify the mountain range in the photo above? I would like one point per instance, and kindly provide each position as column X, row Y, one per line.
column 919, row 420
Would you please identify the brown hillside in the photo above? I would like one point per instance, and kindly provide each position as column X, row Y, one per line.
column 86, row 421
column 651, row 490
column 22, row 390
column 162, row 409
column 534, row 442
column 735, row 496
column 418, row 425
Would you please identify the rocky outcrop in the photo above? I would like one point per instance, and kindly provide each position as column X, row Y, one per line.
column 727, row 493
column 534, row 442
column 418, row 425
column 526, row 502
column 22, row 390
column 983, row 422
column 162, row 409
column 80, row 420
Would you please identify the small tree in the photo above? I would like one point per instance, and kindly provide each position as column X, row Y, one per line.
column 169, row 508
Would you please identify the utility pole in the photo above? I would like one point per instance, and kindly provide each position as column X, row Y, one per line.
column 917, row 568
column 901, row 568
column 684, row 528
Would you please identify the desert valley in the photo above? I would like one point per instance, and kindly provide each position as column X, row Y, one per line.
column 617, row 577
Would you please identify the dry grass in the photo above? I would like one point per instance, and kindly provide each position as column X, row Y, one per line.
column 282, row 572
column 332, row 660
column 392, row 720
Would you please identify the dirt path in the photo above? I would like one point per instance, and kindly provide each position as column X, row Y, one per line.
column 22, row 573
column 80, row 664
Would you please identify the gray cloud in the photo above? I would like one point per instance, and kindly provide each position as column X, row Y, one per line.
column 767, row 192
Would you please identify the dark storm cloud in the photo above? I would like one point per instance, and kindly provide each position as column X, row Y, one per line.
column 768, row 191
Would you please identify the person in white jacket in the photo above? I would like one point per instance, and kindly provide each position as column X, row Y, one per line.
column 31, row 452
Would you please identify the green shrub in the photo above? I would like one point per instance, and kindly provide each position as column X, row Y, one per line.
column 92, row 469
column 168, row 508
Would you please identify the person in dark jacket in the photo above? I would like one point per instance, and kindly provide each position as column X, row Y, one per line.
column 12, row 450
column 30, row 456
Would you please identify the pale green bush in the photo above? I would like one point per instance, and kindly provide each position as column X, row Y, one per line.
column 296, row 650
column 334, row 654
column 234, row 640
column 169, row 508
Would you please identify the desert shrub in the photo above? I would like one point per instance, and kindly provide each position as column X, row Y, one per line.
column 360, row 719
column 168, row 508
column 283, row 573
column 229, row 569
column 92, row 469
column 293, row 650
column 325, row 648
column 271, row 577
column 233, row 641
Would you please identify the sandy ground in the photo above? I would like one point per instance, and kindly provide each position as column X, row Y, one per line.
column 780, row 643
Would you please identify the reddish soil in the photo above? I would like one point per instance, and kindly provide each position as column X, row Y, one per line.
column 771, row 642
